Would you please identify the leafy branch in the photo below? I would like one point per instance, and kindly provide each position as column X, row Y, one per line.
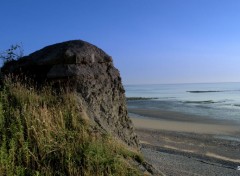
column 13, row 53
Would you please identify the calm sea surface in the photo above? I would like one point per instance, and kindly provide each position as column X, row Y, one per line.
column 215, row 100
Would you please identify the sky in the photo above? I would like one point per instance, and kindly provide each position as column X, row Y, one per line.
column 150, row 41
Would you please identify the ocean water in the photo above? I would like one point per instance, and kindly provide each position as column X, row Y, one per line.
column 214, row 100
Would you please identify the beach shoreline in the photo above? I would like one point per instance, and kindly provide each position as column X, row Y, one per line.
column 186, row 144
column 180, row 122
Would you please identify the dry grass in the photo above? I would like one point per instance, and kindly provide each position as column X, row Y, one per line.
column 42, row 133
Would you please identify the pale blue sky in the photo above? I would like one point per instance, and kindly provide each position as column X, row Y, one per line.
column 151, row 41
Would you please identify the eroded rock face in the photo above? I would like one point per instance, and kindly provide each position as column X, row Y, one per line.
column 88, row 70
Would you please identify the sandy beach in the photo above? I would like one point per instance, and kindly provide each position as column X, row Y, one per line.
column 183, row 144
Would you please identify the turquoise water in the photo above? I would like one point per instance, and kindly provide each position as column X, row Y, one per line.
column 215, row 100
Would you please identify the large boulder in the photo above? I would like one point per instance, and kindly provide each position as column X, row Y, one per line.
column 90, row 72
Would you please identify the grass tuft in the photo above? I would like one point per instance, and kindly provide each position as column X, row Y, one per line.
column 42, row 133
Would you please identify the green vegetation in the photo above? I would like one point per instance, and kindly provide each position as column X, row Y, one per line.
column 42, row 133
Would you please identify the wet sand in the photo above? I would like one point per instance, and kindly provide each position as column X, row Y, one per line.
column 182, row 144
column 191, row 127
column 180, row 122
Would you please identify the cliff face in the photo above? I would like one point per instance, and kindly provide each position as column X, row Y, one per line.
column 89, row 71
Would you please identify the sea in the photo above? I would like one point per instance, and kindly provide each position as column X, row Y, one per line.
column 214, row 100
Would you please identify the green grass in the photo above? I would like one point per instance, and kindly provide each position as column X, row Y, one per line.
column 42, row 133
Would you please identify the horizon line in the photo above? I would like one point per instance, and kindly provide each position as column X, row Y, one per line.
column 139, row 84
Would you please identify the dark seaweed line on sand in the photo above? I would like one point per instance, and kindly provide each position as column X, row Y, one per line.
column 140, row 98
column 201, row 102
column 206, row 91
column 211, row 91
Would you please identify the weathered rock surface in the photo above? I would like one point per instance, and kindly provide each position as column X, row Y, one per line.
column 88, row 70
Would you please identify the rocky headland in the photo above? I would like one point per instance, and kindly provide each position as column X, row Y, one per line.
column 83, row 68
column 90, row 72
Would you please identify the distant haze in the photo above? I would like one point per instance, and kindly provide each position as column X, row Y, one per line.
column 157, row 41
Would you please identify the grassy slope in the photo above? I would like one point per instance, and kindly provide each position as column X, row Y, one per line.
column 41, row 133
